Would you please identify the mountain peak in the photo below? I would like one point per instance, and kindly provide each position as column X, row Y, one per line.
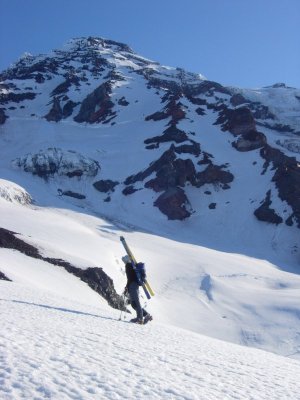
column 96, row 43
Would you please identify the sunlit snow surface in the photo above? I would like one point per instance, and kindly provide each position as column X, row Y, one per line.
column 53, row 348
column 227, row 296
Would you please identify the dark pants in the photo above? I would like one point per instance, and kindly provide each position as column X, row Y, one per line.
column 133, row 291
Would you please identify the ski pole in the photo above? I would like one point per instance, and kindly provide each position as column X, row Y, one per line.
column 123, row 297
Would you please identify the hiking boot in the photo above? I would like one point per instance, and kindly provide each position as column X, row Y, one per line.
column 137, row 321
column 148, row 318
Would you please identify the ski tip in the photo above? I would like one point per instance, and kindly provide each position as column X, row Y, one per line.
column 122, row 238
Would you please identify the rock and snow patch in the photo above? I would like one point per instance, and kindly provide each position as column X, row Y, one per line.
column 292, row 145
column 52, row 161
column 14, row 193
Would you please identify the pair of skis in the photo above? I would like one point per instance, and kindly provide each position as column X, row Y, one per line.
column 145, row 285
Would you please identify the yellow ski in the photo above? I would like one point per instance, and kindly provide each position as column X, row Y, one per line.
column 149, row 288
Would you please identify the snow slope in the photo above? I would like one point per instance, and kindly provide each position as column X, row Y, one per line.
column 227, row 296
column 56, row 348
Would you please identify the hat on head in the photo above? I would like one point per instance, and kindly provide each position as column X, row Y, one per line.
column 125, row 259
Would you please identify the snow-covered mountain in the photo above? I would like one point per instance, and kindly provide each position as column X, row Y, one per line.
column 203, row 180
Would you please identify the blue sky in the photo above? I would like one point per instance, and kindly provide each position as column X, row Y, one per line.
column 234, row 42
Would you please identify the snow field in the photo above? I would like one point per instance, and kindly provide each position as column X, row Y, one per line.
column 227, row 296
column 55, row 348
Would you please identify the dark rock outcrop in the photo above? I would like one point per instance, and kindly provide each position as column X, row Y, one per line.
column 237, row 121
column 166, row 158
column 30, row 70
column 251, row 140
column 56, row 112
column 69, row 193
column 205, row 87
column 237, row 100
column 286, row 177
column 8, row 240
column 4, row 277
column 68, row 108
column 96, row 278
column 16, row 97
column 105, row 186
column 3, row 116
column 123, row 102
column 213, row 174
column 240, row 122
column 129, row 190
column 261, row 111
column 173, row 174
column 193, row 149
column 173, row 203
column 97, row 106
column 173, row 109
column 64, row 86
column 267, row 214
column 171, row 134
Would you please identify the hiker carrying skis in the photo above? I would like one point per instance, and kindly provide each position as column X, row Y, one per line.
column 132, row 288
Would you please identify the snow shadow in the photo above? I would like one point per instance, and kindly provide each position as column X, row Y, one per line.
column 66, row 310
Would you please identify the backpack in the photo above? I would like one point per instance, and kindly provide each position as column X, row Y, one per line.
column 140, row 272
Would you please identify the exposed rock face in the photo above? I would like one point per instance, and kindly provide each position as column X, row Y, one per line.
column 286, row 177
column 64, row 87
column 123, row 102
column 193, row 149
column 105, row 186
column 27, row 68
column 70, row 193
column 3, row 116
column 56, row 161
column 166, row 157
column 240, row 122
column 205, row 87
column 56, row 112
column 16, row 97
column 174, row 173
column 237, row 99
column 213, row 174
column 171, row 134
column 173, row 203
column 251, row 140
column 68, row 108
column 97, row 106
column 267, row 214
column 173, row 109
column 237, row 121
column 4, row 277
column 96, row 278
column 129, row 190
column 212, row 206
